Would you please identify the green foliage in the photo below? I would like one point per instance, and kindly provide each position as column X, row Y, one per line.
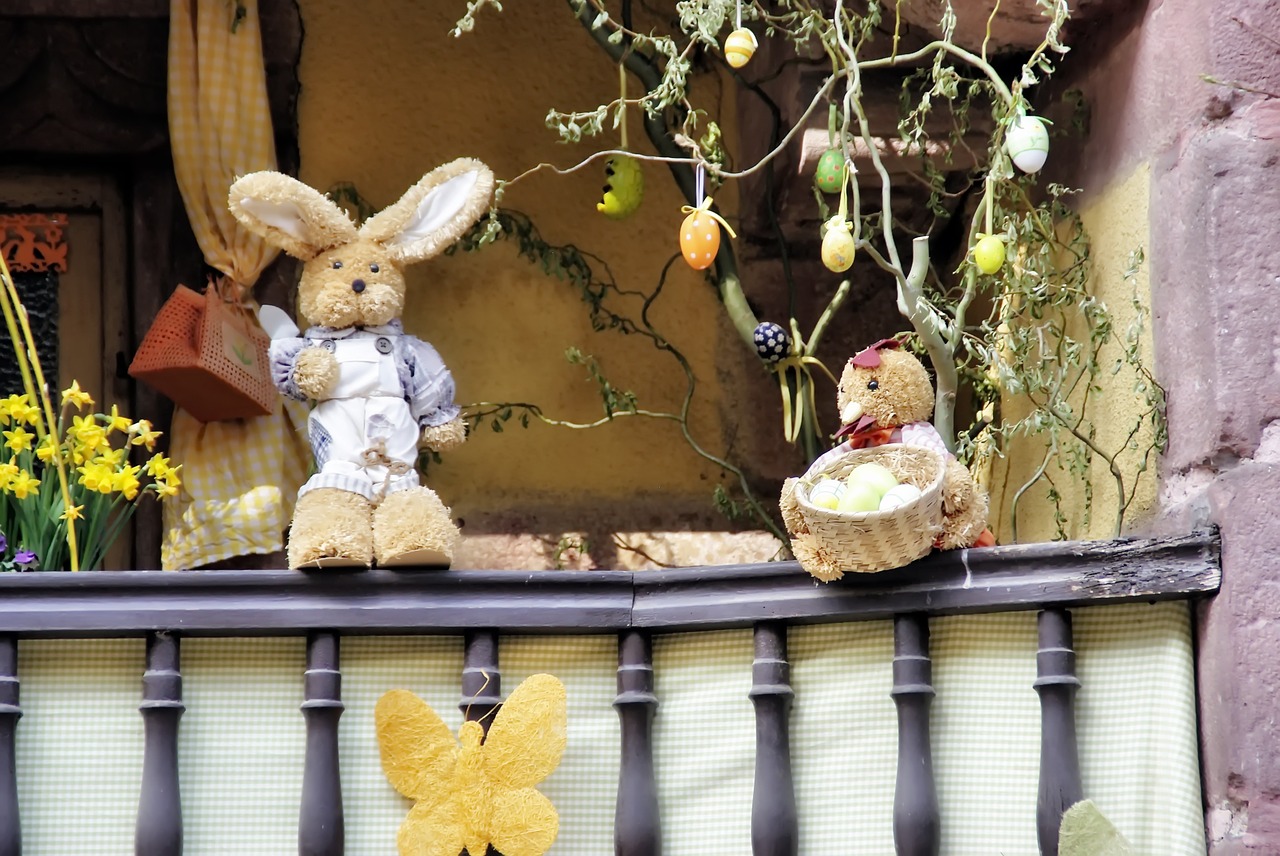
column 1035, row 330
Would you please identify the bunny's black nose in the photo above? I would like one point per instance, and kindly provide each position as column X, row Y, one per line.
column 357, row 285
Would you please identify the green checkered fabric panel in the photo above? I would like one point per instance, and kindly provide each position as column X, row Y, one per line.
column 242, row 737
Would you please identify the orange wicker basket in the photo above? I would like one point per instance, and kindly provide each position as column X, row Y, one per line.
column 209, row 355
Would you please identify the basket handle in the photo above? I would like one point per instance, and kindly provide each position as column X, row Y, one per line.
column 821, row 462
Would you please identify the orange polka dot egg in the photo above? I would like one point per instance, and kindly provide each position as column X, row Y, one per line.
column 699, row 239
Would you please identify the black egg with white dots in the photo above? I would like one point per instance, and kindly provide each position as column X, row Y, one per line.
column 772, row 342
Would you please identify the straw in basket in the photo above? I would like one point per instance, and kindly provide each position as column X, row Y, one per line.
column 836, row 542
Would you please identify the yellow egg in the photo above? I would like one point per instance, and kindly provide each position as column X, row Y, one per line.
column 988, row 254
column 838, row 246
column 859, row 499
column 827, row 493
column 739, row 47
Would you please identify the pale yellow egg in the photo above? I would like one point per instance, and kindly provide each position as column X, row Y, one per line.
column 838, row 246
column 739, row 47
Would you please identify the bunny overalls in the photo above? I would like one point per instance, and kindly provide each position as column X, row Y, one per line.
column 364, row 435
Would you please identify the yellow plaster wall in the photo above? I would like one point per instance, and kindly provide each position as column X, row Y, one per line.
column 388, row 94
column 1116, row 220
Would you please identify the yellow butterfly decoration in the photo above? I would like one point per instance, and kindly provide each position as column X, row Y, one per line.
column 475, row 791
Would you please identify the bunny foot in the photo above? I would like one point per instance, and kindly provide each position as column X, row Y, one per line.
column 331, row 529
column 413, row 527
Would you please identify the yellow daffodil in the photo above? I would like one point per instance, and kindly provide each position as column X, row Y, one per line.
column 77, row 396
column 8, row 404
column 143, row 435
column 96, row 477
column 86, row 434
column 23, row 485
column 46, row 448
column 126, row 482
column 172, row 479
column 19, row 439
column 164, row 489
column 116, row 422
column 158, row 467
column 109, row 457
column 7, row 472
column 75, row 512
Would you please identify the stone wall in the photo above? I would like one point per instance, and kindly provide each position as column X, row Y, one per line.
column 1213, row 152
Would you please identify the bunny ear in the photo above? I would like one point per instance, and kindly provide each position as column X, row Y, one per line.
column 288, row 214
column 434, row 212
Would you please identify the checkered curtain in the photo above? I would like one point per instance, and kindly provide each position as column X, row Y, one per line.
column 241, row 476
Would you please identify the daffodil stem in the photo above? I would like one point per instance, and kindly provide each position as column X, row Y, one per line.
column 12, row 308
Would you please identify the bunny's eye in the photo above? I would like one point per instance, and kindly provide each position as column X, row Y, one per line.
column 374, row 267
column 873, row 384
column 337, row 264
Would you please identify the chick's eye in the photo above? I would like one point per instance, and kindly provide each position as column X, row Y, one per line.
column 337, row 264
column 374, row 267
column 873, row 384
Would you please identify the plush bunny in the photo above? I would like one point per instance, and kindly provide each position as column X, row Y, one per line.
column 885, row 397
column 379, row 392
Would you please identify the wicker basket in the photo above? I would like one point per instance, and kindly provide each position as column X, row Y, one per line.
column 877, row 540
column 208, row 355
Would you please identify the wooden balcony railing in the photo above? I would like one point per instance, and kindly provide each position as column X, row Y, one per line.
column 483, row 605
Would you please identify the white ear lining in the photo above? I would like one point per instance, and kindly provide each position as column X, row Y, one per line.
column 435, row 210
column 285, row 216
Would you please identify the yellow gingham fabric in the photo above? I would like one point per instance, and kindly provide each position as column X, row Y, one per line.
column 242, row 739
column 241, row 477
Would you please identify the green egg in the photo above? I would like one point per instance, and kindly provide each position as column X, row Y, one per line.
column 830, row 171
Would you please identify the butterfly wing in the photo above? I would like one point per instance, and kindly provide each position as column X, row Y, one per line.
column 434, row 830
column 525, row 823
column 527, row 737
column 419, row 754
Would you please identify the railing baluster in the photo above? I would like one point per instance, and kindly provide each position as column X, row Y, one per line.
column 321, row 825
column 10, row 712
column 636, row 826
column 481, row 685
column 917, row 825
column 1056, row 682
column 775, row 829
column 481, row 678
column 159, row 825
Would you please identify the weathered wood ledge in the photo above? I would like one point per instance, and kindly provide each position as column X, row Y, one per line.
column 241, row 603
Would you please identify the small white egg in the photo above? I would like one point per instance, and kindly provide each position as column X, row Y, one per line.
column 1027, row 143
column 899, row 496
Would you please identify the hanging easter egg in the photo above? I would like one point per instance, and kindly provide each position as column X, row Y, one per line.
column 739, row 47
column 772, row 342
column 830, row 173
column 988, row 254
column 699, row 239
column 623, row 188
column 1027, row 142
column 838, row 245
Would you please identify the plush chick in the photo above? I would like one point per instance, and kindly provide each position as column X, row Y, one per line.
column 623, row 189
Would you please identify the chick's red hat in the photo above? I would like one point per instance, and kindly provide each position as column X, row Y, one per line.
column 869, row 357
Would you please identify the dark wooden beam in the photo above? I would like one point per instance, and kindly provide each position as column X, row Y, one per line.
column 994, row 579
column 84, row 8
column 225, row 603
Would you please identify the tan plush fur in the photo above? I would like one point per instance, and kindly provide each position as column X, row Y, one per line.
column 444, row 438
column 902, row 394
column 332, row 526
column 413, row 527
